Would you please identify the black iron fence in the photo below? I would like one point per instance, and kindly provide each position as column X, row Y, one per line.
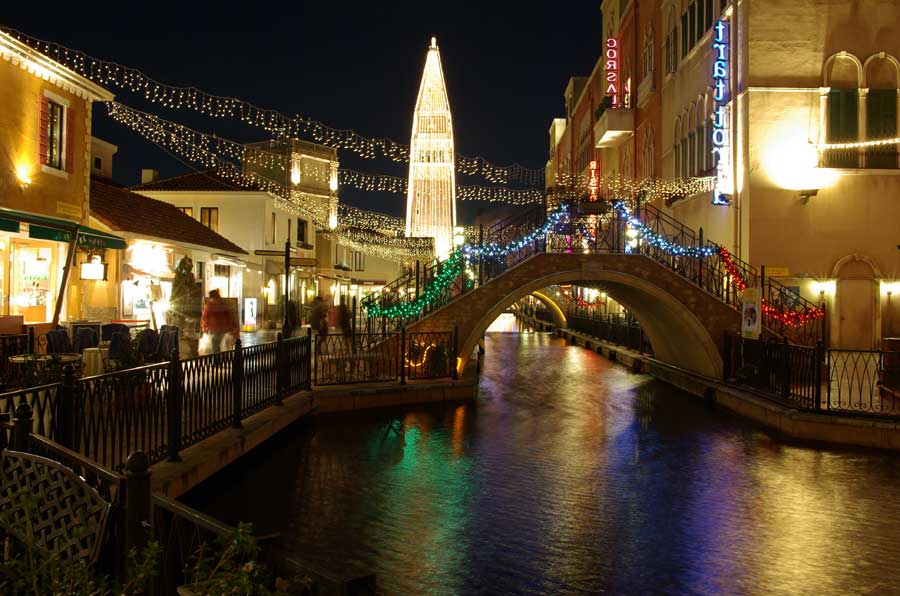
column 13, row 345
column 383, row 357
column 162, row 408
column 613, row 328
column 835, row 380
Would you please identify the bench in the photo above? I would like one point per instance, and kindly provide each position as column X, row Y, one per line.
column 68, row 518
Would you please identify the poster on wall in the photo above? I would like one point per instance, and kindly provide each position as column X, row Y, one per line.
column 249, row 314
column 751, row 313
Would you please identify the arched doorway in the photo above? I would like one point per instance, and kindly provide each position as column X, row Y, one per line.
column 856, row 303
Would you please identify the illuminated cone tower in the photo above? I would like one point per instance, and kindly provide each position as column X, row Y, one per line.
column 431, row 196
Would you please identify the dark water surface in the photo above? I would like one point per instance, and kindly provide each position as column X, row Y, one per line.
column 570, row 475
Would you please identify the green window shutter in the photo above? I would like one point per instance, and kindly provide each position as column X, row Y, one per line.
column 843, row 105
column 881, row 114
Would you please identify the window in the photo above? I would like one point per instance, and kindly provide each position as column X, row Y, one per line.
column 677, row 160
column 647, row 55
column 692, row 154
column 301, row 231
column 98, row 163
column 55, row 128
column 692, row 23
column 684, row 158
column 671, row 49
column 881, row 123
column 713, row 156
column 274, row 229
column 209, row 217
column 186, row 210
column 684, row 35
column 843, row 106
column 708, row 14
column 359, row 261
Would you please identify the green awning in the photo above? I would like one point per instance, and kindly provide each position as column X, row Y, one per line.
column 58, row 230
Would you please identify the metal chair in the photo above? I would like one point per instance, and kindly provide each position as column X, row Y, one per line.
column 116, row 345
column 148, row 344
column 58, row 342
column 85, row 337
column 168, row 341
column 107, row 330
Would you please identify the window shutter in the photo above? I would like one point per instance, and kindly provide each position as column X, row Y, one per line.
column 842, row 115
column 42, row 130
column 881, row 114
column 69, row 140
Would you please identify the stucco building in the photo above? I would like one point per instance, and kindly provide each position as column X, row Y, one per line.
column 777, row 105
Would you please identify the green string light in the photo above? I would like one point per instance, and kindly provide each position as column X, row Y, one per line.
column 450, row 269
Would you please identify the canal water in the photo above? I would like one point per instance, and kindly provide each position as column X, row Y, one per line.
column 571, row 475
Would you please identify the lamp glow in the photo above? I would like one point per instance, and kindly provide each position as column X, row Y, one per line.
column 23, row 173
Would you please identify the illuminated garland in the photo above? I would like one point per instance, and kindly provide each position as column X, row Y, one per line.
column 107, row 73
column 208, row 149
column 494, row 250
column 660, row 241
column 577, row 187
column 788, row 317
column 450, row 270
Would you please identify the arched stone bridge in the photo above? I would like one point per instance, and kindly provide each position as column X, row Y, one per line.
column 685, row 324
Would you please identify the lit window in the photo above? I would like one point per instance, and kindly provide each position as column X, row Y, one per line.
column 55, row 134
column 186, row 210
column 209, row 217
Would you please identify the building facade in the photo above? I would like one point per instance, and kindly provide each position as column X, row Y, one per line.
column 775, row 125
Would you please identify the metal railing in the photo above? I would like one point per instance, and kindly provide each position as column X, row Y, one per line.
column 163, row 408
column 815, row 378
column 612, row 328
column 876, row 158
column 383, row 357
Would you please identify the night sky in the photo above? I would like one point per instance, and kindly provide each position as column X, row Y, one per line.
column 349, row 64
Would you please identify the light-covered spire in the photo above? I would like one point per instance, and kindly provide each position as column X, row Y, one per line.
column 431, row 197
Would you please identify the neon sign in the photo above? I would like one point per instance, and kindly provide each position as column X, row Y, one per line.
column 612, row 70
column 721, row 124
column 594, row 183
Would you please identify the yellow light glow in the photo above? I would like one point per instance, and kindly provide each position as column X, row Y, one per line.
column 295, row 175
column 23, row 173
column 791, row 162
column 826, row 287
column 890, row 287
column 631, row 232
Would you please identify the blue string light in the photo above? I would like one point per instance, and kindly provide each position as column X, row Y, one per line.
column 659, row 241
column 494, row 250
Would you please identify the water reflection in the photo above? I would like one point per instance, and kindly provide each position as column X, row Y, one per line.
column 570, row 475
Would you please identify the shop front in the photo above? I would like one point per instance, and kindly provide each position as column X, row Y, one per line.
column 41, row 264
column 147, row 276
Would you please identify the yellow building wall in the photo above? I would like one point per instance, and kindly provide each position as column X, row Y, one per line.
column 64, row 196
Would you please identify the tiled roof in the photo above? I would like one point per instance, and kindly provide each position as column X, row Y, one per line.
column 208, row 180
column 126, row 211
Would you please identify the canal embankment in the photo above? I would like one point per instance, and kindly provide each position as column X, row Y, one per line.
column 842, row 429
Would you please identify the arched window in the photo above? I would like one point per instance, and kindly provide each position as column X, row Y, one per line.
column 677, row 148
column 712, row 158
column 685, row 156
column 646, row 156
column 692, row 143
column 647, row 55
column 842, row 75
column 700, row 133
column 882, row 77
column 671, row 40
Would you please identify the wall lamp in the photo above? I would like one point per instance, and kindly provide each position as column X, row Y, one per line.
column 805, row 195
column 24, row 176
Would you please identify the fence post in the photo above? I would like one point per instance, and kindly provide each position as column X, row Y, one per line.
column 454, row 373
column 65, row 411
column 279, row 369
column 418, row 273
column 173, row 407
column 785, row 369
column 137, row 501
column 820, row 361
column 21, row 427
column 700, row 260
column 309, row 359
column 402, row 355
column 237, row 385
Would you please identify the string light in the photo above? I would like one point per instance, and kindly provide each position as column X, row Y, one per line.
column 112, row 74
column 577, row 187
column 448, row 271
column 859, row 144
column 496, row 251
column 660, row 241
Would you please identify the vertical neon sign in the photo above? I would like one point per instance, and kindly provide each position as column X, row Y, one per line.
column 721, row 124
column 612, row 70
column 594, row 183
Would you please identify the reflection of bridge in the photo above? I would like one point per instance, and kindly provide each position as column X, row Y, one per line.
column 684, row 291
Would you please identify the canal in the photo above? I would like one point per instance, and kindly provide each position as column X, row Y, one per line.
column 571, row 475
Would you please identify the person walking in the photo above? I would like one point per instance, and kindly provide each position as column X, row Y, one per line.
column 217, row 320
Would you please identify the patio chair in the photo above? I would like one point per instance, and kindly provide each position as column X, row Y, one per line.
column 148, row 344
column 107, row 330
column 168, row 341
column 58, row 342
column 116, row 344
column 85, row 337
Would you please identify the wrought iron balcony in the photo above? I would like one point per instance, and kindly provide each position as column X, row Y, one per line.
column 870, row 158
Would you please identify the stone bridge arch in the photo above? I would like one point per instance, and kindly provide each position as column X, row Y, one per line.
column 685, row 324
column 556, row 310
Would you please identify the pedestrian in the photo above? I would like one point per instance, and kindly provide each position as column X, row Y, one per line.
column 344, row 321
column 217, row 320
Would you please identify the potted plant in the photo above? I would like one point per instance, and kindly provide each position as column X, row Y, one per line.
column 233, row 568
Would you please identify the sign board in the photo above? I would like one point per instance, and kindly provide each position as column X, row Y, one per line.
column 612, row 70
column 249, row 314
column 751, row 313
column 594, row 182
column 721, row 120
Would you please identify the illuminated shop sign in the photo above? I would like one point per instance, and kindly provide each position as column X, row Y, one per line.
column 612, row 70
column 721, row 133
column 594, row 183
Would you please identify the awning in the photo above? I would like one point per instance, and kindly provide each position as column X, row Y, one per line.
column 58, row 230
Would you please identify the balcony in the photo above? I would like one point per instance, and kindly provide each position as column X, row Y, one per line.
column 871, row 158
column 614, row 127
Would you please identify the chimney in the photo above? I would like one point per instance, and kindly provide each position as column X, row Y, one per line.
column 148, row 175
